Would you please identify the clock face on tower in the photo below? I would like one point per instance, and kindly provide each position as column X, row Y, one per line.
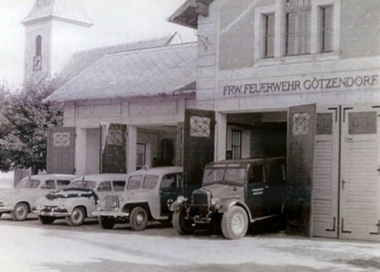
column 37, row 63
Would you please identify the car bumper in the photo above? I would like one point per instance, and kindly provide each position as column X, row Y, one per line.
column 6, row 209
column 110, row 214
column 52, row 213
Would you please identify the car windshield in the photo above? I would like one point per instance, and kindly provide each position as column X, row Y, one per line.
column 83, row 184
column 28, row 184
column 229, row 176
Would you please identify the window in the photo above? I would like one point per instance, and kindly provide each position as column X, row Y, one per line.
column 105, row 187
column 169, row 181
column 256, row 174
column 236, row 144
column 63, row 183
column 297, row 27
column 118, row 185
column 39, row 46
column 49, row 185
column 268, row 35
column 276, row 172
column 134, row 182
column 141, row 155
column 327, row 28
column 150, row 182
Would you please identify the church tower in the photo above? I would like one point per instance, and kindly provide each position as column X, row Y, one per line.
column 54, row 30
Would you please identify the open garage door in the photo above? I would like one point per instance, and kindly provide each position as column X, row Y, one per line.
column 113, row 145
column 199, row 139
column 61, row 150
column 301, row 137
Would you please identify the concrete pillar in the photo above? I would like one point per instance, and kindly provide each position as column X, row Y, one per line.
column 132, row 149
column 80, row 151
column 221, row 136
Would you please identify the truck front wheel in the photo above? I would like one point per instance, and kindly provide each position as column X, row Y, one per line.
column 234, row 223
column 181, row 224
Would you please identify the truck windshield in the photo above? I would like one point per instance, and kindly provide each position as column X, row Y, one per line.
column 83, row 184
column 28, row 184
column 229, row 176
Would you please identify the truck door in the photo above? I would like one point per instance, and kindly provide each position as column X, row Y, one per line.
column 61, row 150
column 113, row 148
column 256, row 190
column 169, row 191
column 300, row 162
column 199, row 139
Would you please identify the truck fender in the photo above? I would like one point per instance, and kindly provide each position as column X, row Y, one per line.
column 178, row 203
column 233, row 202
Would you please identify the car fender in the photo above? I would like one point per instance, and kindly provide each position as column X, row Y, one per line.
column 180, row 201
column 234, row 202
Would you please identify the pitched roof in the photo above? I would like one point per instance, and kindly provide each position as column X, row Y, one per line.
column 66, row 10
column 150, row 72
column 81, row 60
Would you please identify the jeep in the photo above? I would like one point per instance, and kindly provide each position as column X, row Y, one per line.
column 234, row 193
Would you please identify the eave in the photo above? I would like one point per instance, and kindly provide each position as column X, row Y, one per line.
column 187, row 14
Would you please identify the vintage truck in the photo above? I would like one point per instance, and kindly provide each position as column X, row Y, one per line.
column 19, row 202
column 79, row 199
column 234, row 193
column 149, row 195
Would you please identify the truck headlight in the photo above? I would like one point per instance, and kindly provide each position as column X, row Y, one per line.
column 214, row 201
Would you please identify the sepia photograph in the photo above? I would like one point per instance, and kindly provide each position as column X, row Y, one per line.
column 190, row 135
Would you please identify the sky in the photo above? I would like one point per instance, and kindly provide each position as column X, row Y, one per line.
column 115, row 21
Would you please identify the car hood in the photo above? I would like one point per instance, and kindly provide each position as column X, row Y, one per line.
column 72, row 193
column 222, row 190
column 12, row 193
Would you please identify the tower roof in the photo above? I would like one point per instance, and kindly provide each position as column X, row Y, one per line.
column 63, row 10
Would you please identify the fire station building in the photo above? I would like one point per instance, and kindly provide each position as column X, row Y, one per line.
column 297, row 78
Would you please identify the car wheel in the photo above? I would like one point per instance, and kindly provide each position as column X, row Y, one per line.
column 106, row 222
column 46, row 220
column 77, row 217
column 20, row 212
column 234, row 223
column 181, row 224
column 138, row 219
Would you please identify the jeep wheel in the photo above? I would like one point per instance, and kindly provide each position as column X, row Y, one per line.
column 106, row 222
column 20, row 213
column 180, row 224
column 234, row 223
column 46, row 220
column 76, row 218
column 138, row 219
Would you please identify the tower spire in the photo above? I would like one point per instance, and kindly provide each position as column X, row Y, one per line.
column 62, row 10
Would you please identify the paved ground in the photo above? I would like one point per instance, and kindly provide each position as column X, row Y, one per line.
column 29, row 246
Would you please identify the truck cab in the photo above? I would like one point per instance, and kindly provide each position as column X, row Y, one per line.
column 234, row 193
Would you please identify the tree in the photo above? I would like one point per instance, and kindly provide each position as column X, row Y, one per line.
column 23, row 136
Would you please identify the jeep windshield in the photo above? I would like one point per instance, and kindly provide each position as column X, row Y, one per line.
column 82, row 184
column 28, row 184
column 227, row 176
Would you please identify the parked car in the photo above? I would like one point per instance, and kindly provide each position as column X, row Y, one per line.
column 234, row 193
column 80, row 199
column 19, row 202
column 149, row 195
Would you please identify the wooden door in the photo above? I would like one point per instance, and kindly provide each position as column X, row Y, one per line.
column 113, row 141
column 360, row 174
column 61, row 150
column 326, row 173
column 300, row 156
column 199, row 144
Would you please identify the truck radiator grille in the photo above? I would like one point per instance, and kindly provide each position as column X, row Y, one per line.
column 201, row 199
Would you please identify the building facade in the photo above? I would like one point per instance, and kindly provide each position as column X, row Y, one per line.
column 298, row 78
